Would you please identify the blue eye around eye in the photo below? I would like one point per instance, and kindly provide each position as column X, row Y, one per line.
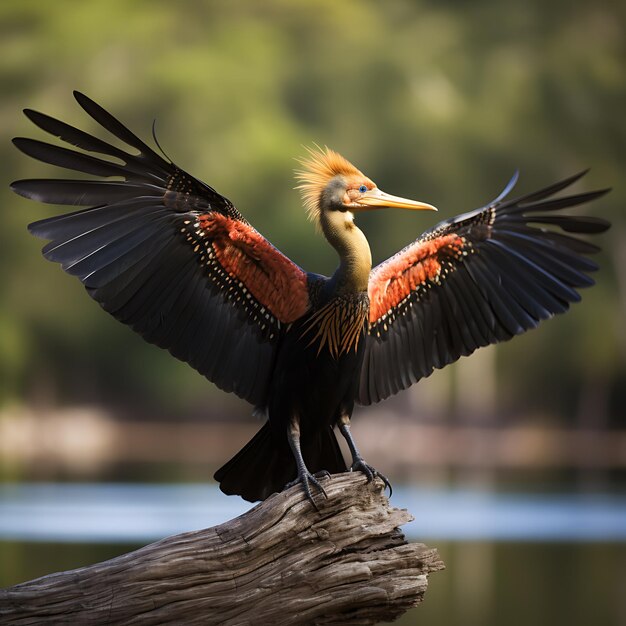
column 362, row 189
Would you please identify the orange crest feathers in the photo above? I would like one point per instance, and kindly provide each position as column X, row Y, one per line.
column 319, row 167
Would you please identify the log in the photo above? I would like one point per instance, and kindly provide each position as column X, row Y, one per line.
column 282, row 562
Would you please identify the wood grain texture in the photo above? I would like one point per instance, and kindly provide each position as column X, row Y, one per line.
column 282, row 562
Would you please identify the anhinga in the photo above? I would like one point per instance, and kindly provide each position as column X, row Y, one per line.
column 166, row 254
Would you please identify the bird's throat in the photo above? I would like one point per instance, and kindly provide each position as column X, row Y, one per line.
column 355, row 256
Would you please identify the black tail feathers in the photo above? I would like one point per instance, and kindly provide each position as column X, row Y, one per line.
column 265, row 465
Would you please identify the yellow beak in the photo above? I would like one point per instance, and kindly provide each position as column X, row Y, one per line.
column 377, row 199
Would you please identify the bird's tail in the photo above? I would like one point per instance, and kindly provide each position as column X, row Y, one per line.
column 264, row 465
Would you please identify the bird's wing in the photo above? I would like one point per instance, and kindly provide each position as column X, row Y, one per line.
column 166, row 254
column 474, row 280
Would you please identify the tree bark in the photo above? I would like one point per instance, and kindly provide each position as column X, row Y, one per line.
column 282, row 562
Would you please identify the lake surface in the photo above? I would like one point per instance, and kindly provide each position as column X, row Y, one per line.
column 138, row 512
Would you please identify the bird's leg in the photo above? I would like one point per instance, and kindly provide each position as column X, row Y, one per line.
column 358, row 464
column 304, row 476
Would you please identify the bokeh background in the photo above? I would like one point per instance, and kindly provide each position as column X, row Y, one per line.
column 441, row 101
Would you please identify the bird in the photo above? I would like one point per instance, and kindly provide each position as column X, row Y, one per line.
column 169, row 256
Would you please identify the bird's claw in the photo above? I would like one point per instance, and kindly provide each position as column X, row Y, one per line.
column 360, row 465
column 306, row 479
column 322, row 474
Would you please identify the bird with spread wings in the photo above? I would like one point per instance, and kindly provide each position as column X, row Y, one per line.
column 173, row 259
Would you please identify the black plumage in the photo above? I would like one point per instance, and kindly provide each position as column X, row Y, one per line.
column 129, row 252
column 169, row 256
column 509, row 274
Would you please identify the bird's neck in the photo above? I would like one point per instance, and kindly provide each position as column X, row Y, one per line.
column 355, row 256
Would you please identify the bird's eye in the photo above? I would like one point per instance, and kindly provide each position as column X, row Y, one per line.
column 362, row 189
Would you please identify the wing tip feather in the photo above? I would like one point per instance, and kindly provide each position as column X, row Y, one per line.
column 19, row 187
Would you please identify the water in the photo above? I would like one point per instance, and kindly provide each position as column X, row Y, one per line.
column 121, row 513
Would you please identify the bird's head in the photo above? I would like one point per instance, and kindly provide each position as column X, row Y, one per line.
column 329, row 182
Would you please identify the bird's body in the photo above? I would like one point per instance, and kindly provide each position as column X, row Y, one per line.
column 312, row 386
column 169, row 256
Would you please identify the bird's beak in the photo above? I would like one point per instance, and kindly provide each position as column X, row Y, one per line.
column 377, row 199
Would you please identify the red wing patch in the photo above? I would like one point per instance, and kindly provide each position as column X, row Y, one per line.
column 274, row 281
column 393, row 281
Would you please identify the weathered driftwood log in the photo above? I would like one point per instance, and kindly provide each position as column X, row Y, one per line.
column 282, row 562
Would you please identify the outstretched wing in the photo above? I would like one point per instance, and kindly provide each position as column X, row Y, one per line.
column 166, row 254
column 474, row 280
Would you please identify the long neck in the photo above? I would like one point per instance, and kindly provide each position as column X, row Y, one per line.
column 355, row 256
